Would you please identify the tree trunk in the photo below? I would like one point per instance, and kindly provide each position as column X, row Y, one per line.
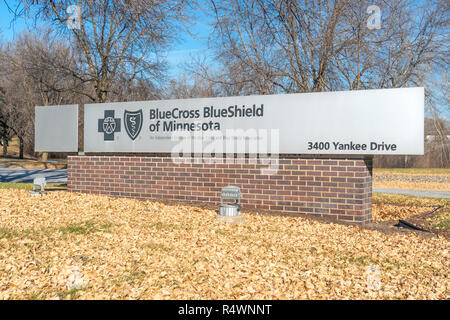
column 20, row 147
column 5, row 147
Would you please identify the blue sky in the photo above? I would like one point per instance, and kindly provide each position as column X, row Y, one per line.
column 7, row 30
column 188, row 45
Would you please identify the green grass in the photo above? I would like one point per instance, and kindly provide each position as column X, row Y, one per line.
column 441, row 171
column 168, row 226
column 79, row 228
column 72, row 293
column 85, row 228
column 134, row 275
column 361, row 260
column 6, row 233
column 442, row 220
column 445, row 224
column 156, row 246
column 29, row 186
column 37, row 296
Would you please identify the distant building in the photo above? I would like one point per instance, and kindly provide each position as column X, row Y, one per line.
column 433, row 135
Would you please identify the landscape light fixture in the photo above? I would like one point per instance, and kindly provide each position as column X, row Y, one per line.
column 230, row 211
column 41, row 183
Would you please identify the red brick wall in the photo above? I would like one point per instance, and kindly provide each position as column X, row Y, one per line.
column 331, row 187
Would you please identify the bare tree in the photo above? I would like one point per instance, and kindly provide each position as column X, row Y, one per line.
column 438, row 102
column 436, row 144
column 27, row 79
column 288, row 46
column 126, row 37
column 16, row 107
column 187, row 86
column 5, row 132
column 137, row 89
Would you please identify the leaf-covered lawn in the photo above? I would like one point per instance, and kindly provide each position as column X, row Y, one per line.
column 415, row 179
column 78, row 246
column 29, row 186
column 412, row 185
column 439, row 171
column 388, row 207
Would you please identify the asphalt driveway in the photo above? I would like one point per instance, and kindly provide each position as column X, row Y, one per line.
column 416, row 193
column 27, row 175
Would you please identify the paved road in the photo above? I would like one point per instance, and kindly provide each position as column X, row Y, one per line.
column 27, row 175
column 416, row 193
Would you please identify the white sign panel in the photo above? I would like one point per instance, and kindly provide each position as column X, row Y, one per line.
column 385, row 121
column 56, row 128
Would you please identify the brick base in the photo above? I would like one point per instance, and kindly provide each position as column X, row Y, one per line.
column 331, row 187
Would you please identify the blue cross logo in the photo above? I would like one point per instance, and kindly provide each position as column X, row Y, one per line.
column 109, row 125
